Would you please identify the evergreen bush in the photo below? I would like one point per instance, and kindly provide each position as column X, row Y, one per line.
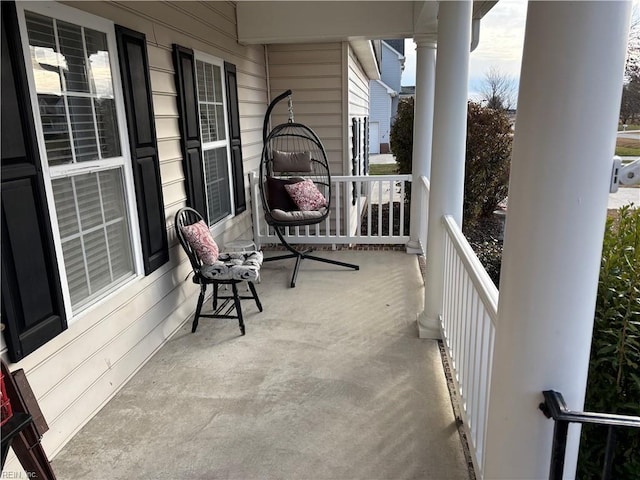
column 614, row 368
column 401, row 137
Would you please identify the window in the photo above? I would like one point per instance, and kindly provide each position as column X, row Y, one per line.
column 70, row 70
column 215, row 143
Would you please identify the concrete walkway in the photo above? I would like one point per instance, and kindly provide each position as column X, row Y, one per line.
column 382, row 158
column 330, row 382
column 624, row 196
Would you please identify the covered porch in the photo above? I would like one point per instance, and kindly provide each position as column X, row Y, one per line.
column 331, row 381
column 355, row 387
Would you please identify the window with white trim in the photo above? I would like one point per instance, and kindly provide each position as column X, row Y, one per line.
column 215, row 143
column 71, row 71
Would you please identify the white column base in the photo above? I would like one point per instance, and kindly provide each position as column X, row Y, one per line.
column 428, row 328
column 414, row 247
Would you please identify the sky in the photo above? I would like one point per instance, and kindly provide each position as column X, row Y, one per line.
column 501, row 40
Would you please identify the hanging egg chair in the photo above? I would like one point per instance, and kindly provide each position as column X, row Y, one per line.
column 295, row 183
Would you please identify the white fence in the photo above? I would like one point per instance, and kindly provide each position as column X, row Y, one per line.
column 470, row 311
column 352, row 206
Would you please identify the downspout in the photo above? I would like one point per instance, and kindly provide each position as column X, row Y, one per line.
column 267, row 79
column 475, row 33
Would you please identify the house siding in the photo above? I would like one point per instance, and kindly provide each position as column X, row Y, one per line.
column 358, row 109
column 383, row 106
column 77, row 372
column 391, row 71
column 314, row 73
column 380, row 111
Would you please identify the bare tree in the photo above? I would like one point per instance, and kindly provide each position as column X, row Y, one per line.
column 630, row 105
column 498, row 90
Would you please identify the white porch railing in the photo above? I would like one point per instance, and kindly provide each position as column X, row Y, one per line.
column 353, row 197
column 470, row 312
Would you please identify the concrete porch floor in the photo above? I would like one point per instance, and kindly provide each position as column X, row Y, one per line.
column 330, row 382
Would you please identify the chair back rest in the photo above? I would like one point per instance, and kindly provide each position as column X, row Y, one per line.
column 293, row 150
column 188, row 216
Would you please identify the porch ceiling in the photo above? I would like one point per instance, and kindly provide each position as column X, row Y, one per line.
column 318, row 21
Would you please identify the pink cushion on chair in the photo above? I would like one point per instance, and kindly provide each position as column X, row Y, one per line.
column 306, row 195
column 200, row 239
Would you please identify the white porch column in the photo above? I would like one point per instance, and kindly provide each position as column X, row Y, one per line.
column 568, row 105
column 449, row 141
column 422, row 133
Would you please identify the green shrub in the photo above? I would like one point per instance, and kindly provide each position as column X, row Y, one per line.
column 401, row 136
column 488, row 156
column 614, row 367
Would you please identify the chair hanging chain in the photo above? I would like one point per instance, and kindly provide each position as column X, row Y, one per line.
column 290, row 101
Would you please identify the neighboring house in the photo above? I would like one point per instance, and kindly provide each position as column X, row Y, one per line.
column 114, row 116
column 407, row 91
column 385, row 93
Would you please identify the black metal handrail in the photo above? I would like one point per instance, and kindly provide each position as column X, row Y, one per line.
column 555, row 407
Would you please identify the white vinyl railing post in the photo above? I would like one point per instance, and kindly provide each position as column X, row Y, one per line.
column 422, row 134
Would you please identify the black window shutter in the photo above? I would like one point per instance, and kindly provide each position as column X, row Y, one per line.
column 184, row 64
column 234, row 137
column 32, row 304
column 134, row 69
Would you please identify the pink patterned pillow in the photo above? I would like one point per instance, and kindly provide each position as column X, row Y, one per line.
column 306, row 195
column 200, row 239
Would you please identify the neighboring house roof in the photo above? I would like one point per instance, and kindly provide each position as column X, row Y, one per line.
column 389, row 90
column 390, row 47
column 397, row 44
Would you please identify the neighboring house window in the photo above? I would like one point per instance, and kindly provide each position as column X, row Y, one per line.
column 213, row 131
column 70, row 68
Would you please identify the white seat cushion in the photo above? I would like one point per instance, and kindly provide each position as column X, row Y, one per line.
column 235, row 266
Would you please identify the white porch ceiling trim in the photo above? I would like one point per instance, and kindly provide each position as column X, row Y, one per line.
column 265, row 22
column 317, row 21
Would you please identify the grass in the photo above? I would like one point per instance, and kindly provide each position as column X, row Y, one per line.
column 627, row 147
column 383, row 169
column 629, row 127
column 628, row 152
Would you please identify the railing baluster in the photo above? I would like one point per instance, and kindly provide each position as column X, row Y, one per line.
column 401, row 230
column 477, row 348
column 558, row 450
column 358, row 208
column 347, row 205
column 610, row 449
column 338, row 189
column 392, row 187
column 369, row 207
column 380, row 203
column 464, row 353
